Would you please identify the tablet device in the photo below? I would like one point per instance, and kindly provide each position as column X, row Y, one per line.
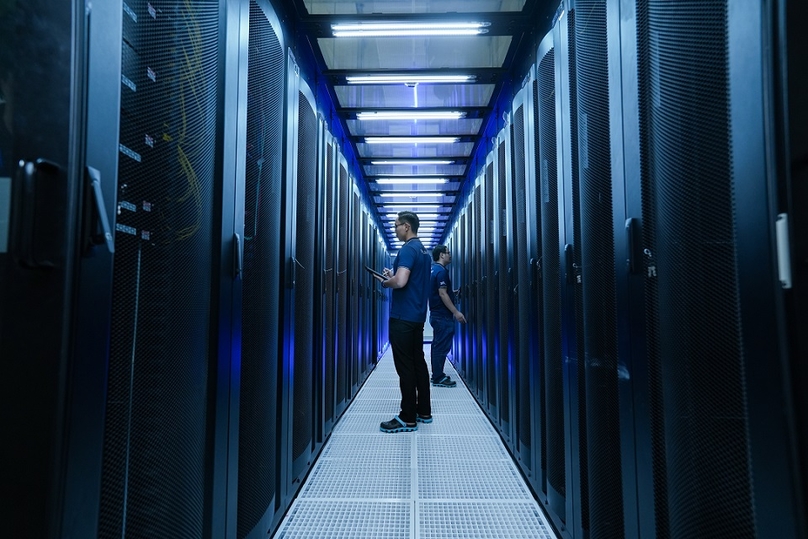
column 374, row 272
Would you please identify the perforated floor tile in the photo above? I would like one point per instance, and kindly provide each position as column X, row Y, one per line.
column 451, row 479
column 454, row 406
column 347, row 447
column 338, row 480
column 481, row 520
column 347, row 520
column 376, row 406
column 459, row 425
column 436, row 450
column 496, row 480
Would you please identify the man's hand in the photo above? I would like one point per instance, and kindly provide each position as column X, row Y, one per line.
column 459, row 317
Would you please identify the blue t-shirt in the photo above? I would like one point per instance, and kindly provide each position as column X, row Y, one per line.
column 409, row 303
column 440, row 279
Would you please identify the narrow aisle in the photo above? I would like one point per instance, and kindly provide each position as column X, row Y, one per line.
column 453, row 478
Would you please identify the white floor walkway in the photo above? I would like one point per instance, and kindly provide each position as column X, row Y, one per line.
column 453, row 478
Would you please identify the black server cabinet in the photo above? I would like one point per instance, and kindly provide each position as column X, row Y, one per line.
column 595, row 253
column 343, row 227
column 478, row 330
column 160, row 462
column 793, row 189
column 528, row 400
column 568, row 247
column 711, row 348
column 300, row 215
column 502, row 226
column 463, row 350
column 551, row 276
column 59, row 83
column 354, row 278
column 328, row 249
column 490, row 314
column 258, row 425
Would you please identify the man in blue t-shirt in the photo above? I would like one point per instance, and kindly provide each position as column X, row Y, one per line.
column 442, row 315
column 409, row 280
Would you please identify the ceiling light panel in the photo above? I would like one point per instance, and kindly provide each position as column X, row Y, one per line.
column 414, row 53
column 411, row 140
column 399, row 29
column 410, row 115
column 462, row 127
column 424, row 171
column 405, row 78
column 405, row 181
column 411, row 194
column 386, row 7
column 428, row 95
column 386, row 151
column 413, row 162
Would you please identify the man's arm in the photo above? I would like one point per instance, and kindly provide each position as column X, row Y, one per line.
column 444, row 296
column 399, row 280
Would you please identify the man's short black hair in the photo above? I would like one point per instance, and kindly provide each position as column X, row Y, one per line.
column 411, row 219
column 438, row 250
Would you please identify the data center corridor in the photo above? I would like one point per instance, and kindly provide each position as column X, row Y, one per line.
column 453, row 478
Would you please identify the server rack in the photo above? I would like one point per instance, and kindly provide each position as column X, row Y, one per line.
column 260, row 209
column 163, row 360
column 300, row 203
column 490, row 290
column 354, row 279
column 528, row 387
column 709, row 198
column 57, row 197
column 477, row 250
column 602, row 505
column 329, row 232
column 506, row 302
column 551, row 279
column 343, row 372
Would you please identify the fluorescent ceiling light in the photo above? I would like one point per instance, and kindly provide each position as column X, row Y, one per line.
column 405, row 78
column 422, row 216
column 395, row 181
column 411, row 115
column 411, row 140
column 408, row 205
column 414, row 162
column 411, row 194
column 397, row 29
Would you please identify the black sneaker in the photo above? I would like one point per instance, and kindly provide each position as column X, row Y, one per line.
column 397, row 425
column 444, row 382
column 423, row 418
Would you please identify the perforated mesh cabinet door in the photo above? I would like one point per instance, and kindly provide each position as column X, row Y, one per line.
column 302, row 411
column 701, row 436
column 597, row 300
column 551, row 274
column 157, row 425
column 258, row 417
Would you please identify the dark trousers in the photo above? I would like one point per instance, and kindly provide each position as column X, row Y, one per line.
column 443, row 329
column 407, row 342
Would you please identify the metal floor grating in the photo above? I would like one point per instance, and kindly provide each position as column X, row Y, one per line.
column 451, row 479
